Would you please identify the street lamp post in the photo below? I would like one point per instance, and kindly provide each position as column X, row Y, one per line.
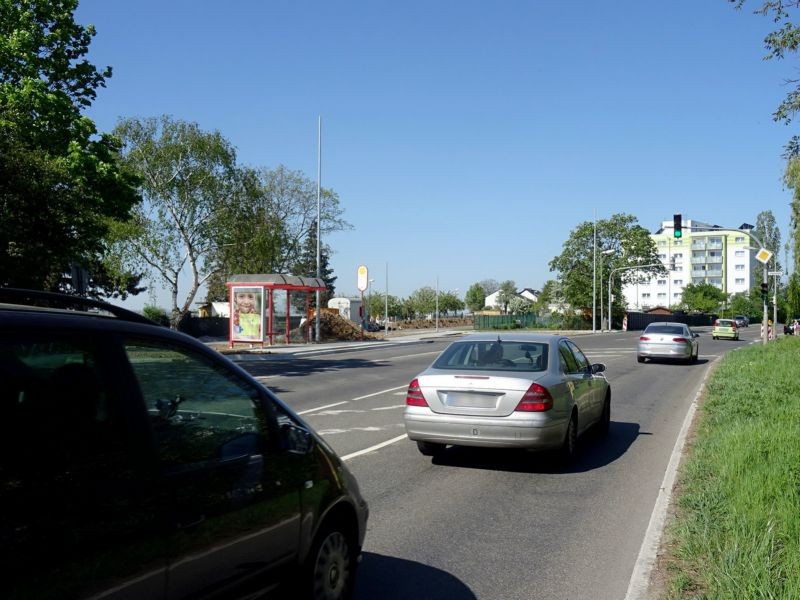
column 608, row 252
column 369, row 299
column 611, row 278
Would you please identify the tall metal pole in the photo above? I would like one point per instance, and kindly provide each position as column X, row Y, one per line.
column 775, row 296
column 765, row 318
column 437, row 303
column 594, row 274
column 319, row 186
column 386, row 303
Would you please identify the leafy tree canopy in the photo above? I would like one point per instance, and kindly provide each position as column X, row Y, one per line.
column 187, row 174
column 475, row 297
column 60, row 183
column 702, row 297
column 631, row 246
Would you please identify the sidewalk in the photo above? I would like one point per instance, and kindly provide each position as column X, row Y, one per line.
column 221, row 345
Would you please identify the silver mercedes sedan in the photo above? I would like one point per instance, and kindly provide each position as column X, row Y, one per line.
column 668, row 340
column 514, row 391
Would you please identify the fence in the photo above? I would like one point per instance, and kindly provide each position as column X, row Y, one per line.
column 638, row 321
column 483, row 322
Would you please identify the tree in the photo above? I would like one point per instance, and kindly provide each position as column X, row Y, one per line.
column 490, row 286
column 476, row 297
column 306, row 266
column 450, row 302
column 376, row 304
column 744, row 304
column 632, row 246
column 508, row 291
column 421, row 302
column 520, row 305
column 793, row 296
column 271, row 226
column 767, row 231
column 785, row 39
column 186, row 175
column 60, row 183
column 702, row 297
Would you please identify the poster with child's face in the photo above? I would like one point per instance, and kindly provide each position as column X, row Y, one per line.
column 246, row 313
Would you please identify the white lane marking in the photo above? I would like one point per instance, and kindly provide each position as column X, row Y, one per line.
column 412, row 355
column 400, row 387
column 375, row 447
column 310, row 410
column 640, row 578
column 332, row 431
column 389, row 407
column 305, row 412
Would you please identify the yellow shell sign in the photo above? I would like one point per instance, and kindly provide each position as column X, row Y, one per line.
column 362, row 278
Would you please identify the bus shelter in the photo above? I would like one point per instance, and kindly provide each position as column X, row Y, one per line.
column 266, row 308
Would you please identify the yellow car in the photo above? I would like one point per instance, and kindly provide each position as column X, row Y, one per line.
column 725, row 328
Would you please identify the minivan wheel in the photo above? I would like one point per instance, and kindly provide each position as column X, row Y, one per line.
column 331, row 566
column 430, row 448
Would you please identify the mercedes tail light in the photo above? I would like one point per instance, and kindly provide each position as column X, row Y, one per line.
column 536, row 399
column 644, row 338
column 414, row 395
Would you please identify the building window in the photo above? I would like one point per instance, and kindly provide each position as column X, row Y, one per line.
column 662, row 296
column 677, row 281
column 678, row 268
column 646, row 295
column 676, row 296
column 740, row 281
column 662, row 282
column 739, row 253
column 677, row 242
column 739, row 239
column 740, row 267
column 662, row 243
column 677, row 255
column 662, row 256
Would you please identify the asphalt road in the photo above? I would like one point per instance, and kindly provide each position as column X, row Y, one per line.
column 494, row 524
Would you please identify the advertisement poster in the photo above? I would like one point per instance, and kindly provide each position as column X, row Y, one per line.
column 247, row 313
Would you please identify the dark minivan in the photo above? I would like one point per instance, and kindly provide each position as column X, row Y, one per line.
column 138, row 463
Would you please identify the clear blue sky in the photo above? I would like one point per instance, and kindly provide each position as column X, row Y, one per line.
column 467, row 139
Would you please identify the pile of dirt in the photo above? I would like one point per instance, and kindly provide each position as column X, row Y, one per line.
column 333, row 327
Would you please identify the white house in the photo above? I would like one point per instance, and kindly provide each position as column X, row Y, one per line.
column 493, row 299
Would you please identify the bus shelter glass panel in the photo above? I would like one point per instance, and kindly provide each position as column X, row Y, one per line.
column 298, row 318
column 248, row 314
column 279, row 309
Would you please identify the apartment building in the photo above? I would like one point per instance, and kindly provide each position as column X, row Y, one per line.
column 706, row 253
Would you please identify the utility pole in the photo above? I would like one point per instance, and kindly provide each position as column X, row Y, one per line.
column 319, row 186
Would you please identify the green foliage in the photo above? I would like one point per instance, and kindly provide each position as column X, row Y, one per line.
column 793, row 296
column 520, row 306
column 60, row 183
column 785, row 39
column 702, row 297
column 305, row 265
column 187, row 174
column 766, row 230
column 736, row 534
column 743, row 304
column 376, row 305
column 632, row 245
column 420, row 303
column 475, row 297
column 269, row 226
column 156, row 314
column 508, row 291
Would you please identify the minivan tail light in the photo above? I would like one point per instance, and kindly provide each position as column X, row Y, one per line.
column 414, row 395
column 536, row 399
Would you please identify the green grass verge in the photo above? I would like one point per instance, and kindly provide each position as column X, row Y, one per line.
column 737, row 528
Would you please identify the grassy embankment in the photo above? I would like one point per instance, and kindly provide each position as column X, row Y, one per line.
column 737, row 530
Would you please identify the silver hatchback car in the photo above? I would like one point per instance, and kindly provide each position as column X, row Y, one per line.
column 518, row 391
column 668, row 340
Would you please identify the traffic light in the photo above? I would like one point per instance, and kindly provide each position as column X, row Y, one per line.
column 764, row 291
column 677, row 224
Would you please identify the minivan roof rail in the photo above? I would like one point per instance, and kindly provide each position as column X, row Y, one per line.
column 67, row 302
